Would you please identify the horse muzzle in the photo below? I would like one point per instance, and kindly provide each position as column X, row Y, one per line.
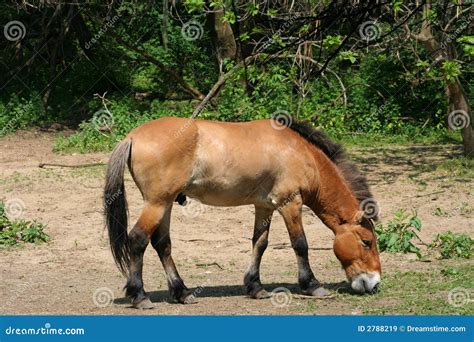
column 366, row 282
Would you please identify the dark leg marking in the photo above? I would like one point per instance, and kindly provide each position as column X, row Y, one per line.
column 291, row 213
column 259, row 243
column 306, row 278
column 161, row 242
column 138, row 243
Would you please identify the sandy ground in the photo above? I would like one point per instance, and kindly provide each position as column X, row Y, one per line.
column 75, row 273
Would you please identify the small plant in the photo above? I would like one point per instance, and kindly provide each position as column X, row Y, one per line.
column 14, row 232
column 453, row 245
column 466, row 209
column 440, row 212
column 398, row 234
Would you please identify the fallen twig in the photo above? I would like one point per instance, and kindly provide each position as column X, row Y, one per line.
column 205, row 264
column 431, row 193
column 45, row 165
column 301, row 296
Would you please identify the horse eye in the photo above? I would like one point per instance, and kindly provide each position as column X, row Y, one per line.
column 366, row 243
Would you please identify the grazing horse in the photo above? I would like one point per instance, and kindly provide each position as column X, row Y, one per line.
column 273, row 164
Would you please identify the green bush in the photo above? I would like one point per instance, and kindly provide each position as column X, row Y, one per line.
column 20, row 231
column 123, row 116
column 453, row 245
column 20, row 112
column 398, row 234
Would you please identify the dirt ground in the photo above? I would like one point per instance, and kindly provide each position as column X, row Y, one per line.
column 74, row 273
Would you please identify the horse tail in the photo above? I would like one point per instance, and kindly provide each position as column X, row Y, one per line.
column 115, row 205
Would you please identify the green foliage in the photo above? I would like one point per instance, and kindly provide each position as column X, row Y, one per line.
column 453, row 245
column 19, row 113
column 21, row 231
column 467, row 43
column 451, row 69
column 397, row 235
column 194, row 5
column 382, row 92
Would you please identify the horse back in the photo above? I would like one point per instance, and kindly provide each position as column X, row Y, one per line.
column 219, row 163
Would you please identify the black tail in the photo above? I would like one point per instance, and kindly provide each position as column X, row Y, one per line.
column 115, row 205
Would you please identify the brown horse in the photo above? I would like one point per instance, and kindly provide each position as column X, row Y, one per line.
column 273, row 164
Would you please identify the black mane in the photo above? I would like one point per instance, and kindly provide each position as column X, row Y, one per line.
column 335, row 152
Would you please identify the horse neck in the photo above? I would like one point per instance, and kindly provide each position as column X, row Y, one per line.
column 331, row 197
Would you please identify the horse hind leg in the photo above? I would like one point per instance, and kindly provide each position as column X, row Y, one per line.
column 139, row 238
column 252, row 282
column 161, row 242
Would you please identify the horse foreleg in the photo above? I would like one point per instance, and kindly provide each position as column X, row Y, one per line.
column 161, row 242
column 263, row 219
column 139, row 238
column 291, row 213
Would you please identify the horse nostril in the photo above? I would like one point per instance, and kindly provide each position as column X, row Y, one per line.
column 376, row 288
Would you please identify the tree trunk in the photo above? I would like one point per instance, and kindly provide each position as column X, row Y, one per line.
column 456, row 97
column 457, row 100
column 222, row 37
column 164, row 25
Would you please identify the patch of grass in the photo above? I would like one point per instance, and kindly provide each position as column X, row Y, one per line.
column 453, row 245
column 307, row 306
column 397, row 235
column 461, row 167
column 21, row 231
column 418, row 293
column 456, row 167
column 97, row 171
column 87, row 140
column 15, row 177
column 371, row 139
column 466, row 209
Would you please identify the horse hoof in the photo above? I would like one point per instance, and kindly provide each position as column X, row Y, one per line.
column 261, row 294
column 319, row 292
column 144, row 304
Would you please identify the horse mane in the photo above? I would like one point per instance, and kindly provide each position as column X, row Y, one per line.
column 336, row 153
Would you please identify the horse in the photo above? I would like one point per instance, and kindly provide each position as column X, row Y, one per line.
column 274, row 164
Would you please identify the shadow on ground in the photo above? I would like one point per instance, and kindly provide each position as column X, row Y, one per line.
column 237, row 291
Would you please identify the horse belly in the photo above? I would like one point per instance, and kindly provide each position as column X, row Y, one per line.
column 230, row 170
column 219, row 191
